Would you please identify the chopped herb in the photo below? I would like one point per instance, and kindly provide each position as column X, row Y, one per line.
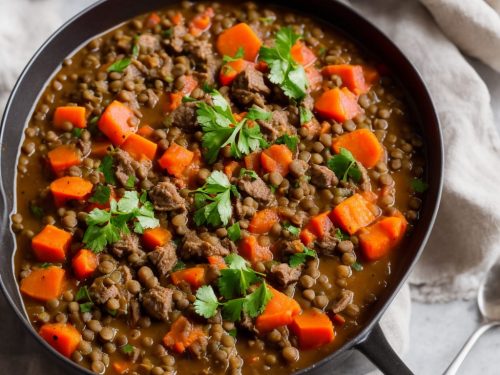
column 180, row 265
column 357, row 266
column 106, row 167
column 206, row 302
column 238, row 55
column 77, row 132
column 342, row 236
column 213, row 200
column 305, row 115
column 130, row 182
column 167, row 33
column 93, row 120
column 272, row 188
column 188, row 99
column 45, row 265
column 86, row 307
column 248, row 172
column 233, row 332
column 127, row 348
column 36, row 211
column 83, row 294
column 135, row 51
column 344, row 165
column 291, row 141
column 101, row 195
column 207, row 88
column 418, row 185
column 234, row 232
column 322, row 51
column 120, row 65
column 267, row 20
column 300, row 258
column 292, row 229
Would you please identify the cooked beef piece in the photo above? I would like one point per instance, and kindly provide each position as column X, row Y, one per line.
column 298, row 167
column 246, row 323
column 198, row 348
column 257, row 189
column 134, row 312
column 249, row 87
column 345, row 299
column 327, row 244
column 228, row 244
column 100, row 291
column 323, row 177
column 165, row 197
column 308, row 102
column 200, row 49
column 277, row 125
column 195, row 246
column 126, row 166
column 284, row 275
column 175, row 40
column 132, row 73
column 148, row 43
column 163, row 258
column 152, row 98
column 238, row 209
column 158, row 302
column 184, row 117
column 290, row 247
column 127, row 244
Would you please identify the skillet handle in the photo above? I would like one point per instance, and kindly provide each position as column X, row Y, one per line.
column 378, row 350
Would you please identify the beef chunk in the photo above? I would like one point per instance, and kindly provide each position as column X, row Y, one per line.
column 257, row 189
column 249, row 87
column 323, row 177
column 327, row 244
column 100, row 291
column 198, row 348
column 131, row 73
column 290, row 247
column 345, row 299
column 277, row 125
column 195, row 246
column 163, row 258
column 134, row 312
column 176, row 41
column 284, row 275
column 148, row 43
column 127, row 244
column 158, row 302
column 184, row 117
column 200, row 49
column 126, row 166
column 165, row 197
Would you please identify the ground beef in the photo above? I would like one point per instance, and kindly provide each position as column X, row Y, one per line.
column 126, row 166
column 195, row 246
column 132, row 73
column 157, row 302
column 323, row 177
column 163, row 258
column 257, row 189
column 148, row 43
column 165, row 197
column 100, row 292
column 277, row 125
column 127, row 244
column 284, row 275
column 184, row 117
column 249, row 87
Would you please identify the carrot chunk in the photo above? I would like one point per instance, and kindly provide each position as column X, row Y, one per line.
column 68, row 188
column 121, row 367
column 378, row 239
column 154, row 237
column 51, row 244
column 100, row 149
column 230, row 70
column 63, row 157
column 194, row 276
column 43, row 284
column 320, row 224
column 230, row 168
column 314, row 78
column 263, row 221
column 218, row 261
column 313, row 328
column 252, row 161
column 302, row 54
column 114, row 122
column 338, row 104
column 145, row 131
column 276, row 158
column 84, row 264
column 176, row 159
column 279, row 311
column 201, row 22
column 236, row 37
column 353, row 213
column 353, row 77
column 182, row 335
column 175, row 98
column 139, row 147
column 251, row 250
column 72, row 114
column 307, row 237
column 363, row 144
column 152, row 20
column 63, row 337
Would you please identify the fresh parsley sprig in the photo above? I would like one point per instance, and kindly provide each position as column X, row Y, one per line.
column 299, row 258
column 290, row 141
column 344, row 165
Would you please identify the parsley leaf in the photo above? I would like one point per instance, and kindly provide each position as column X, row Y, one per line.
column 188, row 99
column 256, row 301
column 167, row 33
column 419, row 185
column 233, row 332
column 234, row 232
column 45, row 265
column 284, row 71
column 234, row 282
column 130, row 182
column 206, row 302
column 106, row 167
column 77, row 132
column 305, row 115
column 300, row 258
column 342, row 236
column 357, row 266
column 86, row 307
column 37, row 211
column 344, row 165
column 291, row 141
column 293, row 230
column 101, row 195
column 248, row 172
column 83, row 294
column 238, row 55
column 119, row 65
column 180, row 265
column 135, row 51
column 127, row 348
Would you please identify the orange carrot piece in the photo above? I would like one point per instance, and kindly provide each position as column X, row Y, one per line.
column 176, row 159
column 51, row 244
column 217, row 261
column 230, row 168
column 313, row 328
column 121, row 367
column 352, row 77
column 84, row 264
column 363, row 144
column 371, row 75
column 43, row 284
column 230, row 70
column 201, row 22
column 177, row 18
column 114, row 122
column 320, row 225
column 251, row 250
column 353, row 213
column 63, row 337
column 68, row 188
column 338, row 320
column 263, row 221
column 378, row 239
column 100, row 149
column 145, row 131
column 338, row 104
column 236, row 37
column 276, row 158
column 175, row 98
column 72, row 114
column 182, row 335
column 279, row 311
column 307, row 237
column 152, row 20
column 194, row 276
column 151, row 238
column 63, row 157
column 139, row 147
column 302, row 54
column 252, row 161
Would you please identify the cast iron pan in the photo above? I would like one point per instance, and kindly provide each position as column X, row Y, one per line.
column 107, row 14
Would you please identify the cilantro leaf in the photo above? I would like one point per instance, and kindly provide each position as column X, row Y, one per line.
column 305, row 115
column 236, row 261
column 180, row 265
column 86, row 307
column 167, row 33
column 257, row 301
column 234, row 232
column 257, row 113
column 127, row 348
column 37, row 211
column 292, row 229
column 119, row 65
column 357, row 266
column 231, row 310
column 233, row 332
column 206, row 302
column 130, row 184
column 419, row 185
column 299, row 258
column 135, row 51
column 238, row 55
column 106, row 167
column 342, row 236
column 344, row 165
column 101, row 195
column 248, row 172
column 77, row 132
column 83, row 294
column 45, row 265
column 291, row 141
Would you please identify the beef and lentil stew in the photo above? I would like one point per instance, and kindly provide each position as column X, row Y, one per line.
column 211, row 189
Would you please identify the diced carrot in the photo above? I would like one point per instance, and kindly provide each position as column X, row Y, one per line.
column 325, row 127
column 114, row 122
column 251, row 250
column 139, row 147
column 100, row 149
column 313, row 328
column 154, row 237
column 320, row 225
column 44, row 284
column 68, row 188
column 313, row 127
column 338, row 320
column 338, row 104
column 152, row 20
column 72, row 114
column 182, row 335
column 145, row 131
column 371, row 75
column 63, row 157
column 201, row 22
column 230, row 70
column 378, row 239
column 262, row 66
column 175, row 98
column 276, row 158
column 252, row 161
column 51, row 244
column 121, row 367
column 176, row 159
column 63, row 337
column 177, row 18
column 190, row 174
column 218, row 261
column 352, row 77
column 307, row 237
column 314, row 78
column 194, row 276
column 302, row 54
column 363, row 144
column 230, row 168
column 190, row 83
column 84, row 264
column 279, row 311
column 263, row 221
column 353, row 213
column 236, row 37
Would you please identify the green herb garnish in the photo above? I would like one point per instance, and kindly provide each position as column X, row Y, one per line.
column 102, row 193
column 344, row 165
column 238, row 55
column 36, row 211
column 300, row 258
column 290, row 141
column 120, row 65
column 86, row 307
column 188, row 99
column 127, row 348
column 418, row 185
column 180, row 265
column 106, row 167
column 248, row 172
column 83, row 295
column 130, row 182
column 293, row 230
column 233, row 332
column 357, row 266
column 234, row 232
column 167, row 33
column 77, row 132
column 45, row 265
column 305, row 115
column 342, row 236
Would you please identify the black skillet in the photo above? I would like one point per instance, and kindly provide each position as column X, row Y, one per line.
column 107, row 14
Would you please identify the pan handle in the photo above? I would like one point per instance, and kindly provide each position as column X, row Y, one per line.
column 378, row 350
